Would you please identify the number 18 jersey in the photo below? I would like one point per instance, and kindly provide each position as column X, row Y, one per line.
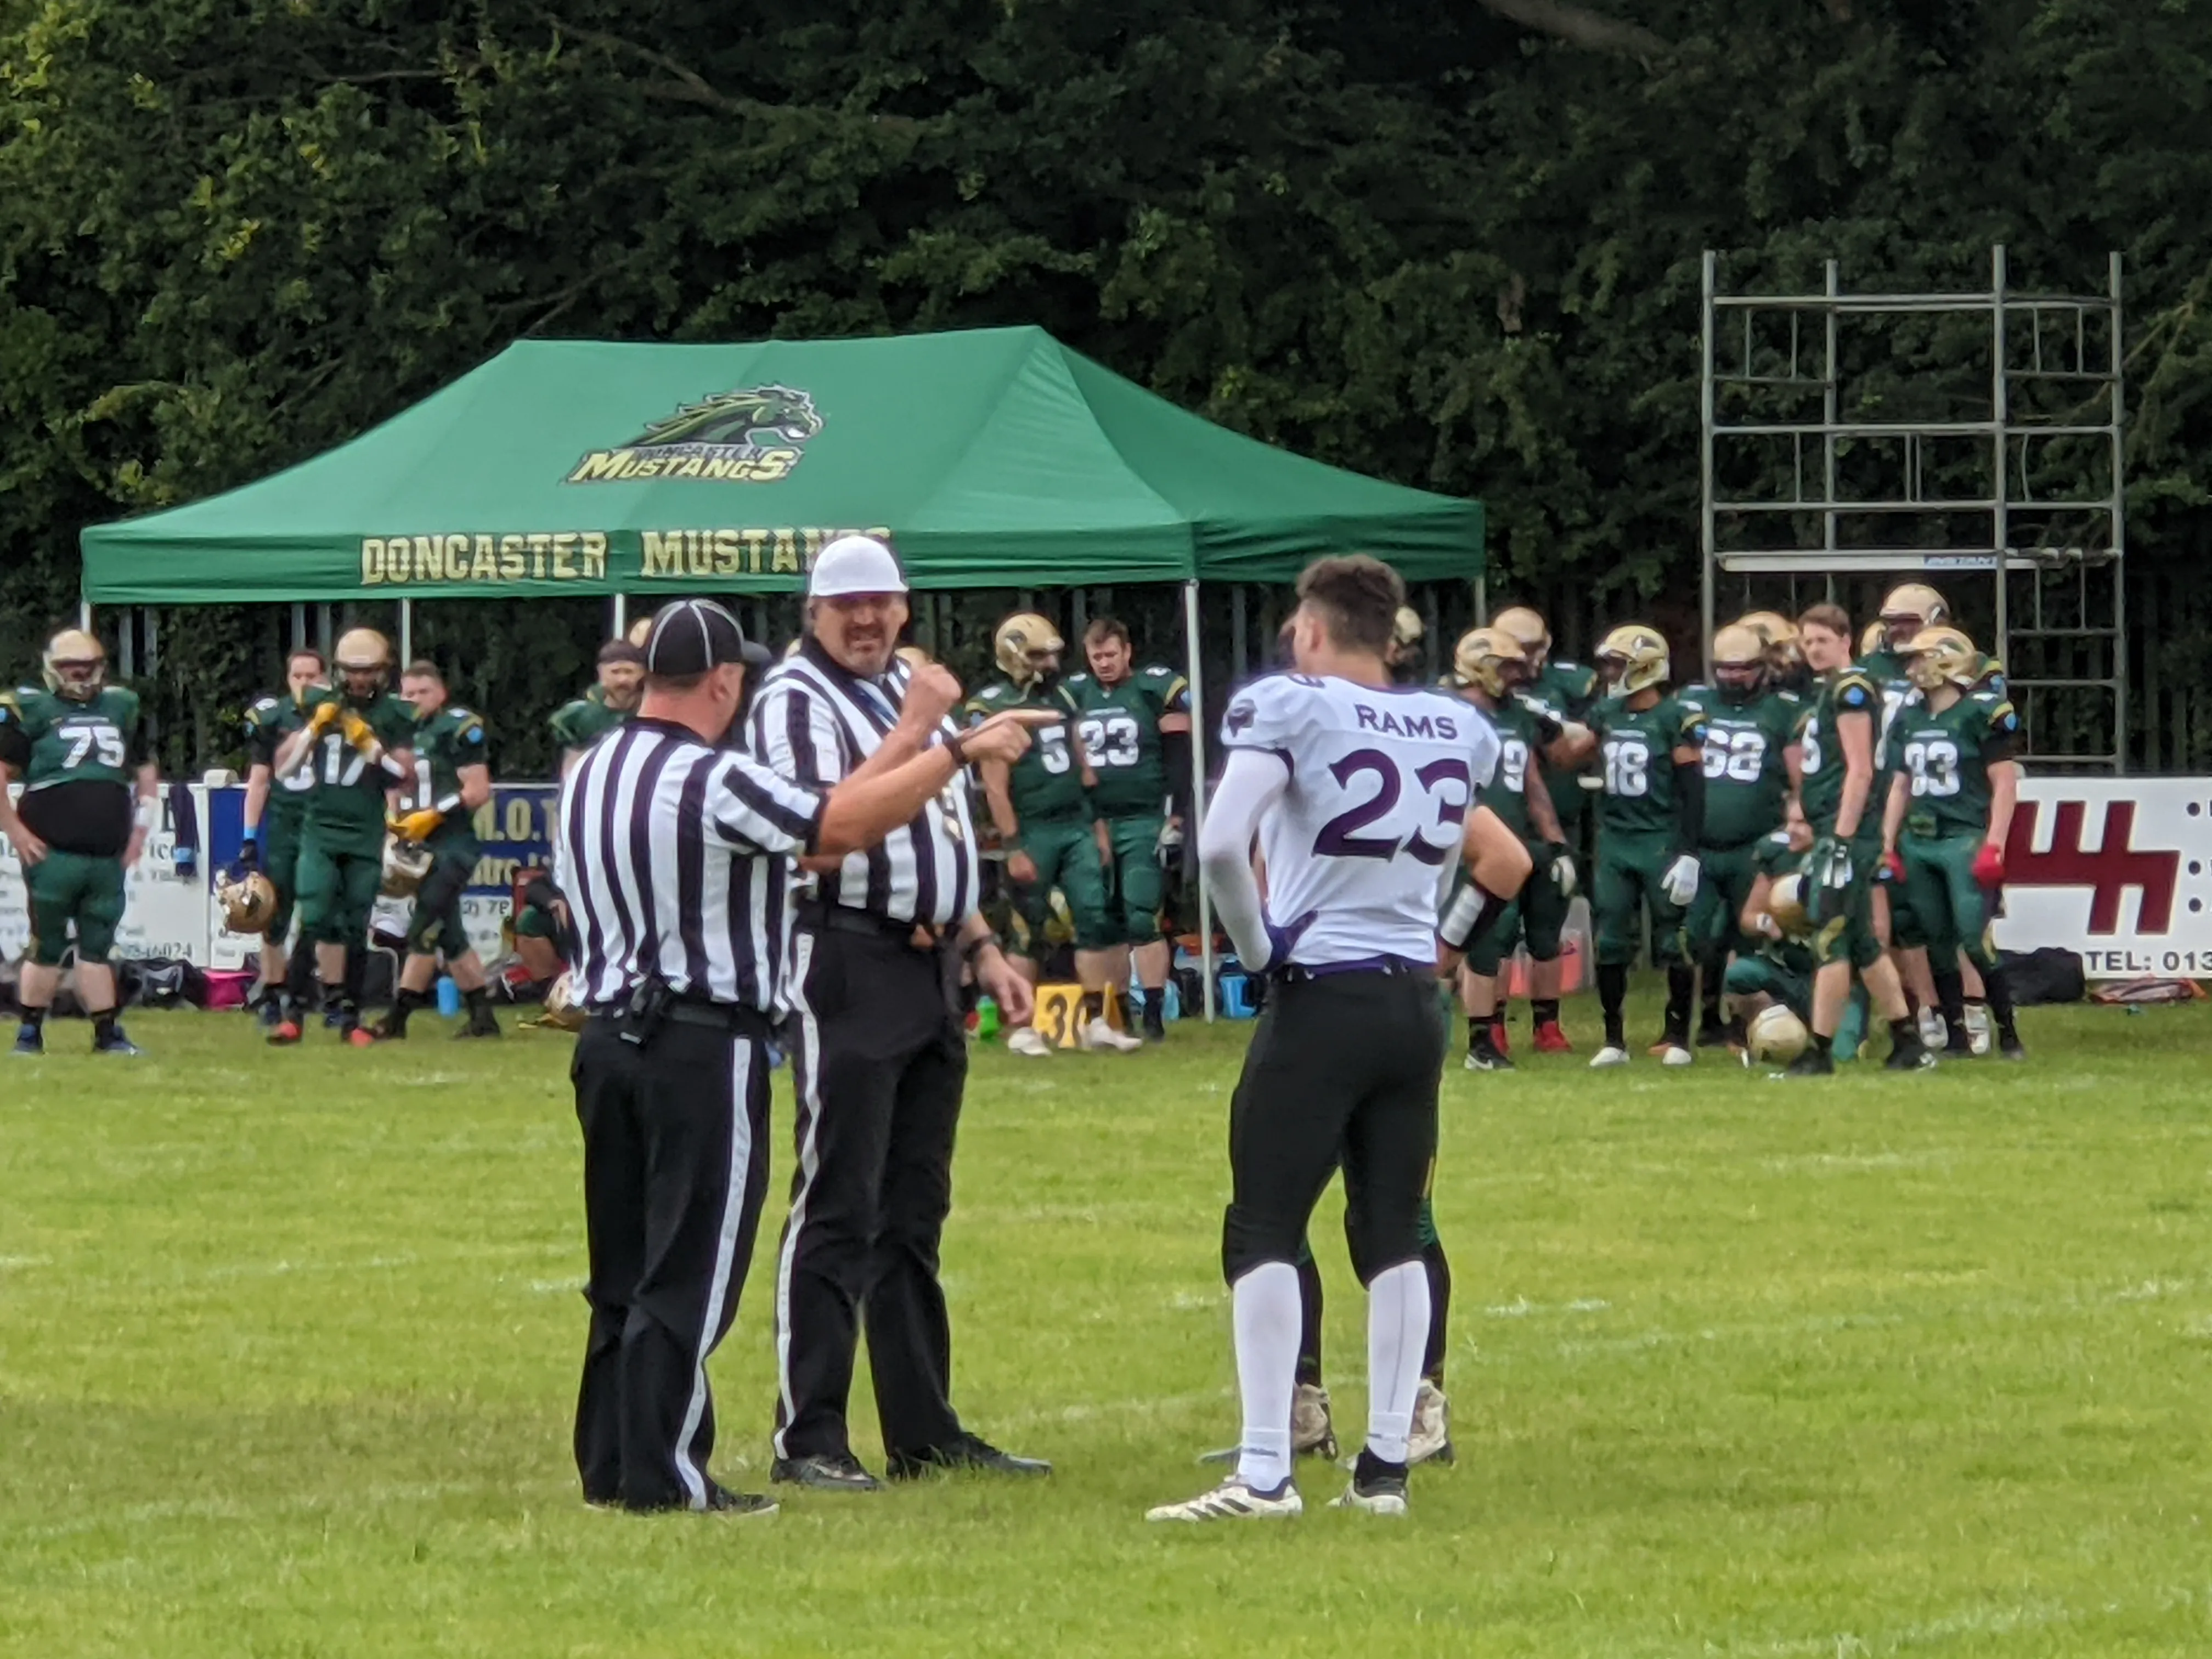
column 1360, row 848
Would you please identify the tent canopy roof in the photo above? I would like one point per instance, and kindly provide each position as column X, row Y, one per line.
column 991, row 458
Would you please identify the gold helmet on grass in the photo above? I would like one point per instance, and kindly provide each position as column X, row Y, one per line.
column 1775, row 1036
column 75, row 666
column 1633, row 658
column 1941, row 656
column 1490, row 660
column 1027, row 647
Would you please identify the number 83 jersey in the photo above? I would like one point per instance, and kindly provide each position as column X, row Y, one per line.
column 1361, row 846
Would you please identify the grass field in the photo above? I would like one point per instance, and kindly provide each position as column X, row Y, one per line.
column 287, row 1346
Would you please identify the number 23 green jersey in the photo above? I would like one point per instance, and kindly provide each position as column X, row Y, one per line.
column 1120, row 729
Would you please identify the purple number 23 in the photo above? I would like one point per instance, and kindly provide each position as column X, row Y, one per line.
column 1336, row 839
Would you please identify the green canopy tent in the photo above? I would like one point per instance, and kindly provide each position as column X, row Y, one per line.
column 990, row 458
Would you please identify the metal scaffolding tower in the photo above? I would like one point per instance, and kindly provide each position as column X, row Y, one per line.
column 1850, row 436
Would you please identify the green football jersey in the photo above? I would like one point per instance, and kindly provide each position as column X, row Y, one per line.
column 347, row 795
column 1525, row 727
column 76, row 760
column 1570, row 691
column 1886, row 670
column 450, row 739
column 580, row 723
column 1638, row 749
column 1847, row 691
column 1945, row 759
column 1121, row 730
column 1046, row 782
column 1746, row 776
column 268, row 723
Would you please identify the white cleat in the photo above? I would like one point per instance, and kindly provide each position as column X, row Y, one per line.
column 1385, row 1495
column 1676, row 1054
column 1430, row 1440
column 1233, row 1500
column 1029, row 1041
column 1981, row 1030
column 1933, row 1032
column 1099, row 1035
column 1612, row 1055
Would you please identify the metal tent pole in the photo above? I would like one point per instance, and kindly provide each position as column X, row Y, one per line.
column 1198, row 787
column 622, row 616
column 1708, row 573
column 407, row 632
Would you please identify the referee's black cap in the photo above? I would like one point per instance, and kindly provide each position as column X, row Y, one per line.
column 690, row 636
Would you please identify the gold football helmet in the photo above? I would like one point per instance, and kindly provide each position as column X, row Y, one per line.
column 249, row 904
column 640, row 631
column 913, row 656
column 1777, row 1035
column 1023, row 641
column 362, row 661
column 75, row 666
column 1910, row 608
column 405, row 864
column 1490, row 660
column 1519, row 623
column 1633, row 658
column 561, row 1011
column 1941, row 656
column 1406, row 627
column 1873, row 637
column 1740, row 661
column 1785, row 902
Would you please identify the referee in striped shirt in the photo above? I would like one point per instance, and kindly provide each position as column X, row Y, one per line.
column 675, row 856
column 879, row 1052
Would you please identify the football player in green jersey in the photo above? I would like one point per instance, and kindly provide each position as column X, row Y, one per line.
column 1041, row 805
column 1750, row 769
column 1650, row 819
column 276, row 813
column 1135, row 729
column 355, row 746
column 1950, row 810
column 452, row 779
column 578, row 724
column 1785, row 656
column 1837, row 738
column 1490, row 670
column 1569, row 689
column 1781, row 969
column 78, row 747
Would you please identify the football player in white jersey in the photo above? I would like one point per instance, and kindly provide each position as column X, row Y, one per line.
column 1359, row 793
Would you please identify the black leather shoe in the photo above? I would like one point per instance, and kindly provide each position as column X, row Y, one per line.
column 720, row 1500
column 969, row 1451
column 842, row 1473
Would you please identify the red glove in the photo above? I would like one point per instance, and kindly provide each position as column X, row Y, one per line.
column 1988, row 866
column 1892, row 865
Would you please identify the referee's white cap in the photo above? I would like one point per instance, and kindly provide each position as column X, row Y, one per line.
column 690, row 636
column 854, row 564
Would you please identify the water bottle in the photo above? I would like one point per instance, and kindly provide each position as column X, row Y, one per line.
column 449, row 996
column 987, row 1018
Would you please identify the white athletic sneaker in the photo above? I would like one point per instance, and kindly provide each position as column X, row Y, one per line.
column 1934, row 1034
column 1028, row 1040
column 1233, row 1500
column 1676, row 1054
column 1981, row 1030
column 1311, row 1432
column 1612, row 1055
column 1099, row 1035
column 1430, row 1440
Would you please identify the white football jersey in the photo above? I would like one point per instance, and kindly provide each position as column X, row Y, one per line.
column 1360, row 849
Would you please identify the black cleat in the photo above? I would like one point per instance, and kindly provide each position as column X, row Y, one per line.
column 1958, row 1043
column 2010, row 1046
column 30, row 1042
column 1156, row 1023
column 1814, row 1062
column 1909, row 1055
column 720, row 1500
column 1483, row 1057
column 970, row 1451
column 115, row 1044
column 839, row 1473
column 481, row 1023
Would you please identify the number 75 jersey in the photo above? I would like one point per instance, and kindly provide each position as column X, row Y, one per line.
column 1360, row 849
column 51, row 740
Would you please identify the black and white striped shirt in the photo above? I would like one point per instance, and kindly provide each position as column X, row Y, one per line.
column 814, row 722
column 675, row 857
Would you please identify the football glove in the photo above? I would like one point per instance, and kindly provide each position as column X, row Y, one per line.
column 249, row 853
column 1892, row 868
column 358, row 732
column 416, row 826
column 1559, row 864
column 1680, row 881
column 324, row 717
column 1828, row 878
column 1988, row 866
column 1169, row 848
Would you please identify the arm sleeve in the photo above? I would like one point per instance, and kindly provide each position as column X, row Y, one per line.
column 794, row 734
column 1175, row 756
column 1690, row 803
column 751, row 809
column 1253, row 783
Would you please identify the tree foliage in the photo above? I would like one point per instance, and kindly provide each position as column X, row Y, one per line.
column 1453, row 242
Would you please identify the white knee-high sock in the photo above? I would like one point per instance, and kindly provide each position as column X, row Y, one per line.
column 1397, row 1332
column 1266, row 1319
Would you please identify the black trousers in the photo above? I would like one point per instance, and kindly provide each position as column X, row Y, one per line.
column 1342, row 1069
column 879, row 1059
column 675, row 1169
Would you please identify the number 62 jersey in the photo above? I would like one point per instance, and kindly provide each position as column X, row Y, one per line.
column 1361, row 846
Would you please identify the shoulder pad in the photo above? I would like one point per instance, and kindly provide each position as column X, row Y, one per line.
column 1566, row 666
column 1694, row 692
column 1985, row 696
column 1075, row 680
column 262, row 706
column 1855, row 691
column 1783, row 694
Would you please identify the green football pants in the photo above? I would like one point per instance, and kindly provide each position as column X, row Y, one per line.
column 280, row 862
column 1538, row 912
column 1139, row 885
column 1627, row 888
column 1952, row 909
column 74, row 887
column 1725, row 875
column 1066, row 854
column 339, row 876
column 437, row 927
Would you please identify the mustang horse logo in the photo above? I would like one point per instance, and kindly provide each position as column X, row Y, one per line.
column 750, row 436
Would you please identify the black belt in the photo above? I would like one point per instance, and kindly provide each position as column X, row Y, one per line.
column 1299, row 973
column 841, row 919
column 727, row 1017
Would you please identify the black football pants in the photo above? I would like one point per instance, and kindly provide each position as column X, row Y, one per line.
column 675, row 1169
column 879, row 1060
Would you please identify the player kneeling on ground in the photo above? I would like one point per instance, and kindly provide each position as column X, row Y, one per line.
column 1343, row 1067
column 1953, row 800
column 76, row 744
column 453, row 768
